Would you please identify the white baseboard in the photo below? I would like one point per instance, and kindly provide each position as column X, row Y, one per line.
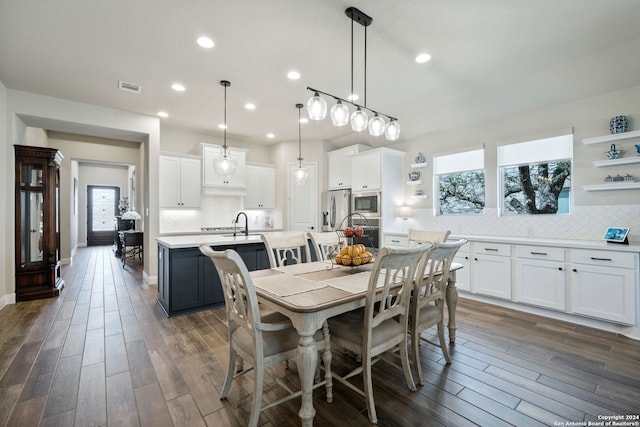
column 7, row 299
column 149, row 280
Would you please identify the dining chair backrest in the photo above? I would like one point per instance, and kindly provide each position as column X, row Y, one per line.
column 385, row 299
column 419, row 237
column 240, row 297
column 283, row 248
column 325, row 244
column 434, row 267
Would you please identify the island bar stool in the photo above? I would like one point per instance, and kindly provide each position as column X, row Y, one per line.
column 259, row 340
column 325, row 244
column 427, row 300
column 283, row 248
column 381, row 326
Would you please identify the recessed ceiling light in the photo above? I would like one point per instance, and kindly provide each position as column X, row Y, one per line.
column 177, row 87
column 422, row 58
column 270, row 136
column 293, row 75
column 205, row 42
column 250, row 106
column 304, row 120
column 222, row 126
column 163, row 114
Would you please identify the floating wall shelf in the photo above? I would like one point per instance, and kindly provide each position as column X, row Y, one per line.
column 423, row 196
column 419, row 165
column 612, row 138
column 416, row 182
column 616, row 162
column 612, row 186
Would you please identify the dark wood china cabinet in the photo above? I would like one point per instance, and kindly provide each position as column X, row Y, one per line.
column 37, row 222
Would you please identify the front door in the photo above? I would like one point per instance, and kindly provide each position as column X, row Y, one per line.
column 303, row 200
column 102, row 207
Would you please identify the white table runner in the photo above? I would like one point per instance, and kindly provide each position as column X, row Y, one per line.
column 284, row 285
column 306, row 267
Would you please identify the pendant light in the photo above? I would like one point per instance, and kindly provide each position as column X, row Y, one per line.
column 301, row 174
column 224, row 165
column 359, row 119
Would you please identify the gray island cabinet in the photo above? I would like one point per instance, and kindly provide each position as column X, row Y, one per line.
column 188, row 281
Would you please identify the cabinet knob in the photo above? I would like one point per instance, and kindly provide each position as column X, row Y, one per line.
column 475, row 259
column 575, row 270
column 560, row 268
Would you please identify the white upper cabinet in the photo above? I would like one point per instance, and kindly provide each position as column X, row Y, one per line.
column 339, row 162
column 214, row 183
column 261, row 187
column 373, row 169
column 180, row 182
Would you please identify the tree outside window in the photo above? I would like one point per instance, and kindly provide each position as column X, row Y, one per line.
column 461, row 193
column 537, row 188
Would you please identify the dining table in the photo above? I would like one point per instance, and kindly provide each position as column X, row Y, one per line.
column 309, row 294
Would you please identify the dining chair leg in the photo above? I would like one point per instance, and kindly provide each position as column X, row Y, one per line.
column 415, row 346
column 257, row 393
column 230, row 374
column 368, row 389
column 326, row 360
column 443, row 344
column 406, row 368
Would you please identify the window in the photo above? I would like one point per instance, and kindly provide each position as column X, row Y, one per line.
column 460, row 183
column 536, row 176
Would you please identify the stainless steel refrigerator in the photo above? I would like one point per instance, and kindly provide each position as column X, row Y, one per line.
column 336, row 206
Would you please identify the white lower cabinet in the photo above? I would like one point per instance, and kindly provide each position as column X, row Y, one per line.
column 463, row 275
column 491, row 269
column 603, row 285
column 540, row 277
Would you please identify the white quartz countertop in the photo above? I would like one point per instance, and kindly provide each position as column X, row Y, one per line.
column 195, row 240
column 577, row 244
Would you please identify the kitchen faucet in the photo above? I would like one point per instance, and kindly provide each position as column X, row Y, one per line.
column 246, row 224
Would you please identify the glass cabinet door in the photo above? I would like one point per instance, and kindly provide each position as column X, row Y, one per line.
column 32, row 227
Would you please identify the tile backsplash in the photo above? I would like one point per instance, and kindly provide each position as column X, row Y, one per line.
column 584, row 223
column 216, row 211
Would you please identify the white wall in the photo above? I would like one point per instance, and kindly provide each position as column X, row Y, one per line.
column 23, row 110
column 591, row 212
column 7, row 281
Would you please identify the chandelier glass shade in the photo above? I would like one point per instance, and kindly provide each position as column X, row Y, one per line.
column 359, row 119
column 317, row 107
column 301, row 174
column 224, row 165
column 339, row 114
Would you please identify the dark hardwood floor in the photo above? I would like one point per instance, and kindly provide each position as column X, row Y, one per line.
column 103, row 353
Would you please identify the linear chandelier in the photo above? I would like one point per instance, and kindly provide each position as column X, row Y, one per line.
column 340, row 115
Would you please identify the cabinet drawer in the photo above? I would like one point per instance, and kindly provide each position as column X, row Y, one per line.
column 501, row 249
column 540, row 252
column 394, row 240
column 603, row 258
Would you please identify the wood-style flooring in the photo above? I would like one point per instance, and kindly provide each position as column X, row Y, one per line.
column 103, row 353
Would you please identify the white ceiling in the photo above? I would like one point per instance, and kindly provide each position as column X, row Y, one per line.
column 490, row 57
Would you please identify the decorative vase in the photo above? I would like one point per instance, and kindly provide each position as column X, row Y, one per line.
column 414, row 176
column 420, row 158
column 618, row 124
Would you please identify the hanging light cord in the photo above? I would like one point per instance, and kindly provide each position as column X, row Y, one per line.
column 299, row 107
column 226, row 84
column 365, row 67
column 351, row 94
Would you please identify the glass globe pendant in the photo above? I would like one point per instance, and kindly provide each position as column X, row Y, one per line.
column 224, row 165
column 376, row 125
column 339, row 114
column 392, row 131
column 359, row 120
column 317, row 107
column 301, row 174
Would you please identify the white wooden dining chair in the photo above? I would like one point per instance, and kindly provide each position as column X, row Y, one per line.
column 325, row 244
column 259, row 340
column 282, row 248
column 381, row 326
column 419, row 237
column 427, row 301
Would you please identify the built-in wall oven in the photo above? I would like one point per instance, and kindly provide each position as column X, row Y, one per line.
column 366, row 204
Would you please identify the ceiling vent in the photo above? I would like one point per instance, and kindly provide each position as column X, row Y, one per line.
column 129, row 87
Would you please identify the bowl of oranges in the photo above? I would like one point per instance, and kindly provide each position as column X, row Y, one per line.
column 354, row 255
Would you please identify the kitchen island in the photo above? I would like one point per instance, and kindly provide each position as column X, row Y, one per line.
column 188, row 281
